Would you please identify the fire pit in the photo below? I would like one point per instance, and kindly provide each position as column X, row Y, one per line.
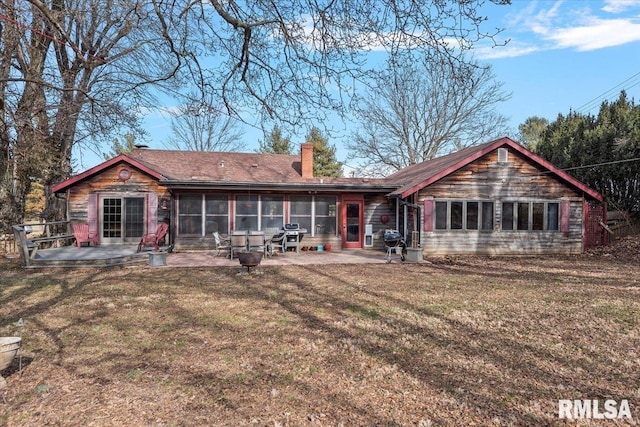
column 250, row 259
column 9, row 346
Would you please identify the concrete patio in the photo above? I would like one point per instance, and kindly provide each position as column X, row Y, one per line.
column 110, row 255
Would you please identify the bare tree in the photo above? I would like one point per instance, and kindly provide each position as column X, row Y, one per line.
column 199, row 127
column 76, row 72
column 71, row 72
column 294, row 60
column 418, row 110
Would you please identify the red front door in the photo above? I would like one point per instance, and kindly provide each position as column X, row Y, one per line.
column 352, row 214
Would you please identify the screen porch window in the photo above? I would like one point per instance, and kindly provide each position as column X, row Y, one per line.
column 247, row 212
column 216, row 208
column 325, row 216
column 271, row 212
column 300, row 211
column 203, row 214
column 315, row 213
column 190, row 214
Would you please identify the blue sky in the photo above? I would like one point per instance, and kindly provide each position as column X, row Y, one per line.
column 560, row 55
column 565, row 55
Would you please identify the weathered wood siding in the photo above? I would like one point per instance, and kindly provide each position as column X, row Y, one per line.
column 375, row 207
column 108, row 183
column 514, row 181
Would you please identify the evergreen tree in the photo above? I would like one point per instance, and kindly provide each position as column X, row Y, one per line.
column 275, row 143
column 531, row 131
column 601, row 151
column 118, row 148
column 325, row 163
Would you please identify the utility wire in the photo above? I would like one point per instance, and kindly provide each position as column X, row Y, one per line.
column 613, row 162
column 595, row 102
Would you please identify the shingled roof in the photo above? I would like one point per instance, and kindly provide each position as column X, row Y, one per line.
column 202, row 170
column 415, row 177
column 218, row 170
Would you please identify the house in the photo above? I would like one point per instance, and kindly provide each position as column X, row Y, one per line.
column 493, row 198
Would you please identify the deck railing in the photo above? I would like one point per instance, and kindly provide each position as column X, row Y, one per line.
column 31, row 237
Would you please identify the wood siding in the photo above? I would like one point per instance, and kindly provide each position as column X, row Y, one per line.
column 375, row 207
column 517, row 180
column 108, row 183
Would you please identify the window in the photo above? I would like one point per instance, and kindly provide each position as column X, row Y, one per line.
column 487, row 216
column 537, row 216
column 271, row 212
column 463, row 215
column 190, row 214
column 523, row 216
column 441, row 215
column 456, row 215
column 216, row 213
column 553, row 216
column 472, row 215
column 507, row 216
column 301, row 211
column 315, row 213
column 246, row 212
column 530, row 216
column 325, row 216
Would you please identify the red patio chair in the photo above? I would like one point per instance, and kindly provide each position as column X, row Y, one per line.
column 82, row 234
column 153, row 239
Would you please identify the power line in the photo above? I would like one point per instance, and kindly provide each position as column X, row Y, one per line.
column 613, row 162
column 605, row 95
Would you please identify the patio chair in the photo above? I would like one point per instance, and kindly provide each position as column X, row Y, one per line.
column 238, row 242
column 222, row 243
column 153, row 239
column 255, row 241
column 276, row 242
column 82, row 234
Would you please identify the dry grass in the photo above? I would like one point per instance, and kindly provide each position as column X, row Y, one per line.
column 469, row 340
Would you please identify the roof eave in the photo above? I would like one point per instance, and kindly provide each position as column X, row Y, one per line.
column 64, row 185
column 296, row 186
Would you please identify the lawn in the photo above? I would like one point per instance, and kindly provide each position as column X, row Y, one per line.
column 490, row 341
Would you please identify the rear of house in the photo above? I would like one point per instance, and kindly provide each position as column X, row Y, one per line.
column 495, row 198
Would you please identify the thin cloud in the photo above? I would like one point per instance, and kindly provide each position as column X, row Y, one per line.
column 513, row 49
column 601, row 33
column 570, row 25
column 618, row 6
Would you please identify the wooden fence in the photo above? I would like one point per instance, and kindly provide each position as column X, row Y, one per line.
column 27, row 238
column 8, row 244
column 623, row 224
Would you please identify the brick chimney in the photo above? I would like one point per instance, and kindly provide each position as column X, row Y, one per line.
column 306, row 160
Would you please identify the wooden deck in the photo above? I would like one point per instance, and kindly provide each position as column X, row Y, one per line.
column 92, row 256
